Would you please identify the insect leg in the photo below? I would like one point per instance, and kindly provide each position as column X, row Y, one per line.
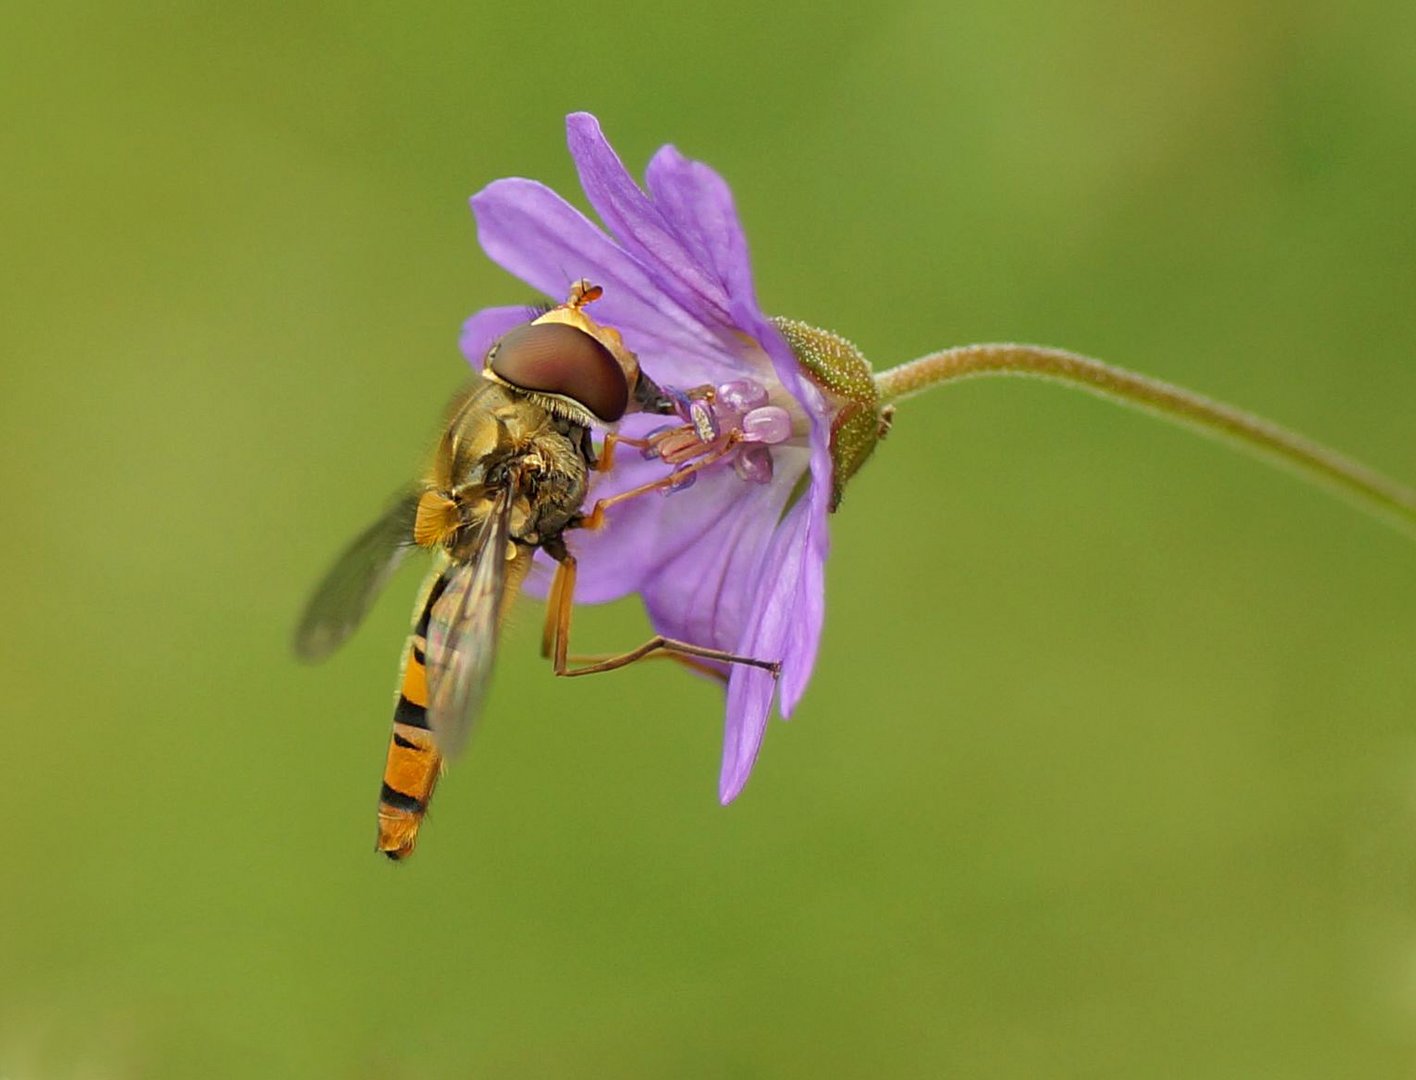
column 551, row 633
column 596, row 518
column 700, row 667
column 558, row 623
column 675, row 649
column 607, row 449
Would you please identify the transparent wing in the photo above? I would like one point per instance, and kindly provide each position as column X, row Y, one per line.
column 462, row 631
column 344, row 597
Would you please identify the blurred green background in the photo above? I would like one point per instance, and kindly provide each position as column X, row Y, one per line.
column 1109, row 765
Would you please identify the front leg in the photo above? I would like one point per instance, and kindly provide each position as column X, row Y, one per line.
column 606, row 459
column 596, row 518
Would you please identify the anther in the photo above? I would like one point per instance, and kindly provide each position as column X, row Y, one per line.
column 704, row 422
column 742, row 395
column 754, row 464
column 767, row 424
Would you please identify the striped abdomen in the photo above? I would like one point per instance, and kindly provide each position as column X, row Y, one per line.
column 414, row 764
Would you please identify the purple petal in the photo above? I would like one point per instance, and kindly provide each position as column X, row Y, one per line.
column 483, row 328
column 814, row 534
column 785, row 624
column 704, row 591
column 530, row 231
column 637, row 224
column 809, row 540
column 749, row 703
column 698, row 205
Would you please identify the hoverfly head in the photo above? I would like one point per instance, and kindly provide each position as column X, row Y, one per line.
column 563, row 361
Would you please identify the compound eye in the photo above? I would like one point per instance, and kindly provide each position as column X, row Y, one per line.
column 554, row 358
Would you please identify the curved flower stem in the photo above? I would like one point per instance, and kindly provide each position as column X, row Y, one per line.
column 1376, row 492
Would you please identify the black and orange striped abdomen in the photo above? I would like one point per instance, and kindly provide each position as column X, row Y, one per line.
column 413, row 765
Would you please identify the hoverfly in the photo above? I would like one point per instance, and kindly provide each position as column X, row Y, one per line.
column 508, row 477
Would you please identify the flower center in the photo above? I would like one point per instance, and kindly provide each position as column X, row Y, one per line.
column 732, row 422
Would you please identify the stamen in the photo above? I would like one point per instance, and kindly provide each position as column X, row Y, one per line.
column 731, row 421
column 681, row 480
column 680, row 445
column 700, row 413
column 654, row 437
column 742, row 395
column 754, row 464
column 768, row 424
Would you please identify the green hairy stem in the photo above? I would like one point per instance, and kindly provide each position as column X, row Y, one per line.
column 1390, row 500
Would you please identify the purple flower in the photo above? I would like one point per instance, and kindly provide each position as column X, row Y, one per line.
column 737, row 562
column 773, row 417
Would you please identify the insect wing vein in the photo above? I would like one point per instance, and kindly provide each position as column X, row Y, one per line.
column 462, row 632
column 344, row 597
